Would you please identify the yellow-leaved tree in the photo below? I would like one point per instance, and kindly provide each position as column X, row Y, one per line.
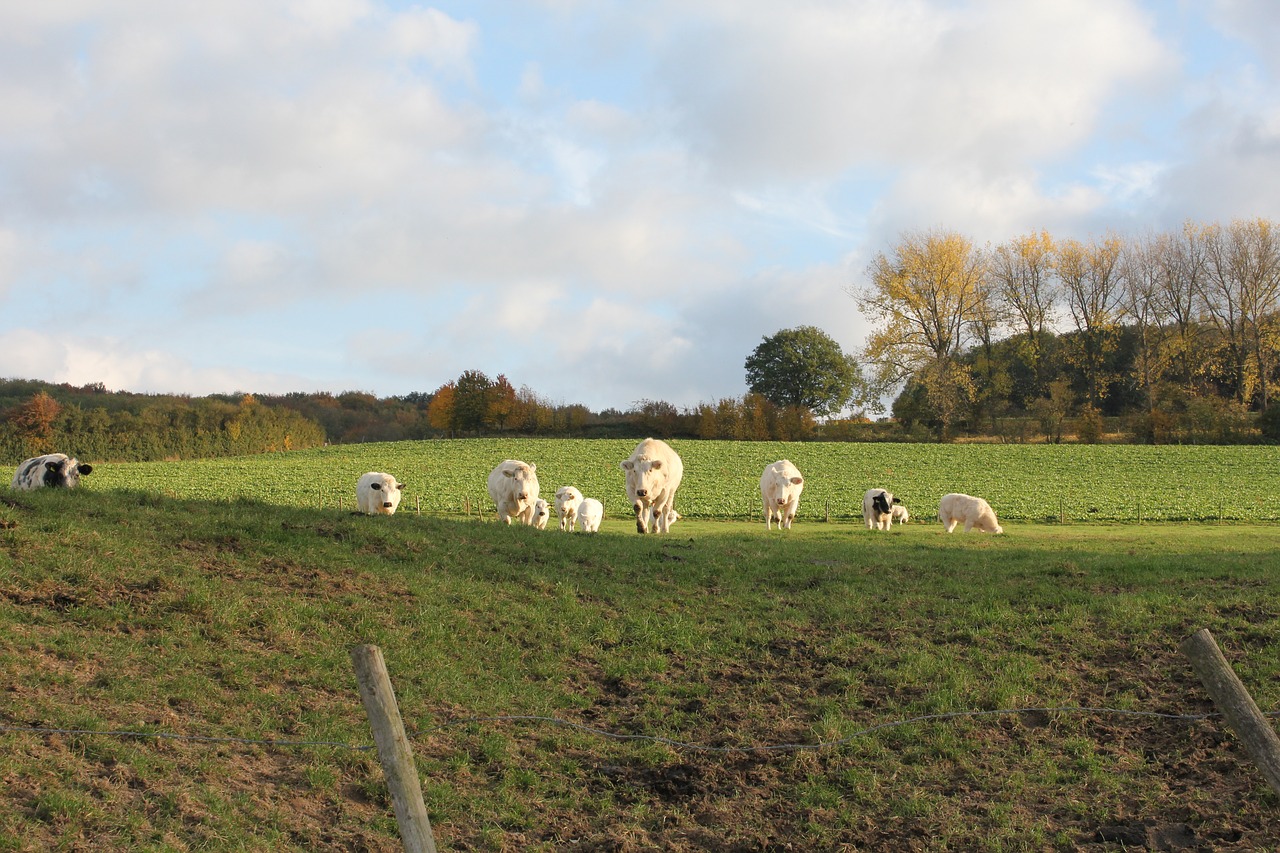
column 924, row 298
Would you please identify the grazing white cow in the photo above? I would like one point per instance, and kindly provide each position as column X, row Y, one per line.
column 378, row 493
column 973, row 512
column 780, row 488
column 654, row 472
column 900, row 514
column 877, row 509
column 541, row 512
column 53, row 470
column 513, row 485
column 567, row 500
column 590, row 511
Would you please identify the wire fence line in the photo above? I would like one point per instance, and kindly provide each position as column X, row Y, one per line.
column 604, row 733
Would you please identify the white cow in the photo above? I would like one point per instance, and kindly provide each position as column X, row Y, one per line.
column 53, row 470
column 378, row 493
column 590, row 511
column 900, row 514
column 567, row 501
column 513, row 485
column 541, row 512
column 780, row 488
column 974, row 512
column 654, row 472
column 877, row 509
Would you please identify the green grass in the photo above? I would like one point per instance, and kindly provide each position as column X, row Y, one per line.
column 1028, row 483
column 133, row 610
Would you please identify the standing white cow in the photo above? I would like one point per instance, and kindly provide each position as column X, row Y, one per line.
column 513, row 485
column 780, row 488
column 567, row 501
column 877, row 509
column 590, row 511
column 53, row 470
column 378, row 493
column 541, row 512
column 957, row 508
column 654, row 472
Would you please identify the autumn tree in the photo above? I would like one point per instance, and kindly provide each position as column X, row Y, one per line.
column 803, row 367
column 1091, row 280
column 1021, row 274
column 501, row 403
column 35, row 419
column 440, row 411
column 924, row 297
column 471, row 401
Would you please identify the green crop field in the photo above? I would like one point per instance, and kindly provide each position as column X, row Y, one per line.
column 175, row 638
column 1025, row 483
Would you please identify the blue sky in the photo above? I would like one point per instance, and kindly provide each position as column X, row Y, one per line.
column 604, row 201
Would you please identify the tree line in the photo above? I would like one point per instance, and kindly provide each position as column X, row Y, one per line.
column 1164, row 337
column 1164, row 329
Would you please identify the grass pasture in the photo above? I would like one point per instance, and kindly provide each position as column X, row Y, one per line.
column 1033, row 483
column 133, row 606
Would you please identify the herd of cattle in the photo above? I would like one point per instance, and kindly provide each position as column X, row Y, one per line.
column 653, row 474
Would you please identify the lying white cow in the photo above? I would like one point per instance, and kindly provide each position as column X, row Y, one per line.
column 899, row 514
column 377, row 493
column 654, row 472
column 541, row 512
column 53, row 470
column 590, row 511
column 780, row 488
column 877, row 509
column 567, row 501
column 513, row 485
column 973, row 512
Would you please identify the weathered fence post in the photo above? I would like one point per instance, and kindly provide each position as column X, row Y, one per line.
column 393, row 749
column 1235, row 703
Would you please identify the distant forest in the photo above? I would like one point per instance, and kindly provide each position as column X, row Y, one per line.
column 1018, row 401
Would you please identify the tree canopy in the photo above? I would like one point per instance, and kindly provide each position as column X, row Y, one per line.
column 803, row 367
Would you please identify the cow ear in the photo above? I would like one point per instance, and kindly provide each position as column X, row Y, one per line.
column 897, row 500
column 86, row 469
column 375, row 486
column 655, row 464
column 52, row 465
column 506, row 472
column 626, row 465
column 533, row 466
column 797, row 480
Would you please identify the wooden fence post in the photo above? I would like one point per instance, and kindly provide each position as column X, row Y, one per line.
column 393, row 749
column 1235, row 703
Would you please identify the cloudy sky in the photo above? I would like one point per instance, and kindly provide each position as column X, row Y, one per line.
column 605, row 201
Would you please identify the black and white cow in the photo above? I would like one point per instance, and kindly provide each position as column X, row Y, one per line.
column 877, row 509
column 54, row 470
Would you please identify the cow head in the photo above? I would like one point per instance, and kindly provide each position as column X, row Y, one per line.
column 523, row 478
column 883, row 502
column 64, row 473
column 645, row 478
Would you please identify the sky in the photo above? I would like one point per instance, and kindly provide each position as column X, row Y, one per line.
column 605, row 201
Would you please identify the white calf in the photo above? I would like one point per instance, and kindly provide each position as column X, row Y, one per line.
column 900, row 514
column 541, row 512
column 877, row 509
column 590, row 511
column 567, row 500
column 377, row 493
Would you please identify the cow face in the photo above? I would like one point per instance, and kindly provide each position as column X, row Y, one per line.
column 64, row 473
column 646, row 478
column 883, row 503
column 522, row 480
